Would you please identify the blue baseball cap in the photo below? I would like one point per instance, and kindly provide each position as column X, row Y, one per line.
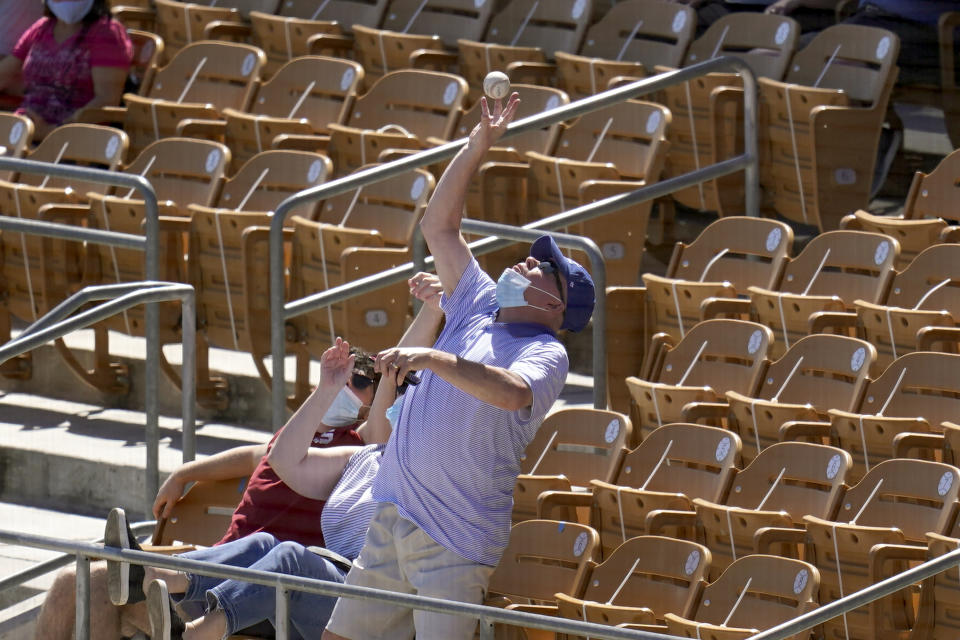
column 580, row 292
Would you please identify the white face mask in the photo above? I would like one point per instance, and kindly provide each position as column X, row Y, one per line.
column 70, row 11
column 393, row 413
column 510, row 289
column 345, row 409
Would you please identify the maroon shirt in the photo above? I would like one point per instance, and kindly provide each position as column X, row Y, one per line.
column 269, row 505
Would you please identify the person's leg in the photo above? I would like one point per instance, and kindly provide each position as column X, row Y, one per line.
column 245, row 604
column 436, row 572
column 376, row 567
column 238, row 553
column 56, row 618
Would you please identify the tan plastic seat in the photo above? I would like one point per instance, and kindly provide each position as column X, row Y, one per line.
column 202, row 515
column 602, row 154
column 355, row 235
column 787, row 481
column 914, row 234
column 199, row 83
column 16, row 132
column 448, row 19
column 571, row 448
column 715, row 356
column 524, row 31
column 626, row 342
column 675, row 464
column 381, row 51
column 345, row 12
column 183, row 23
column 284, row 38
column 182, row 172
column 632, row 37
column 934, row 195
column 923, row 295
column 402, row 109
column 835, row 269
column 915, row 394
column 542, row 558
column 293, row 108
column 937, row 615
column 766, row 42
column 881, row 527
column 840, row 82
column 227, row 316
column 755, row 593
column 729, row 255
column 820, row 372
column 643, row 579
column 38, row 273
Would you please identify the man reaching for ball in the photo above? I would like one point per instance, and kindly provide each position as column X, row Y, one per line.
column 446, row 482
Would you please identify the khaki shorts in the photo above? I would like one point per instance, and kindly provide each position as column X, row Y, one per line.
column 399, row 556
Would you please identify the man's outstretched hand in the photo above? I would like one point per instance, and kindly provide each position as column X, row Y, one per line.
column 493, row 124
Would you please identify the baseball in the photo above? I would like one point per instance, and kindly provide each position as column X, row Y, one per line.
column 496, row 85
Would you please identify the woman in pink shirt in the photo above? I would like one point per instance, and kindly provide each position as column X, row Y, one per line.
column 75, row 56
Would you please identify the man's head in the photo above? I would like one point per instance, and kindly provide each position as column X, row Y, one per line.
column 554, row 289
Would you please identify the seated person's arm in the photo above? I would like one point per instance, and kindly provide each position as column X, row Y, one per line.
column 233, row 463
column 314, row 472
column 107, row 88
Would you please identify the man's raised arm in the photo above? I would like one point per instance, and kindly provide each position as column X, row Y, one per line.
column 441, row 220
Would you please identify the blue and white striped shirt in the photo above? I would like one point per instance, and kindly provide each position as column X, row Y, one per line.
column 452, row 461
column 346, row 515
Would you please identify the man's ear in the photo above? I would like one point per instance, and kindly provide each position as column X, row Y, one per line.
column 555, row 305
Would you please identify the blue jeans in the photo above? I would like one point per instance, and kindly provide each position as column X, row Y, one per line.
column 246, row 604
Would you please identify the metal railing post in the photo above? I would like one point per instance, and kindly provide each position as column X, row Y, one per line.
column 82, row 622
column 281, row 620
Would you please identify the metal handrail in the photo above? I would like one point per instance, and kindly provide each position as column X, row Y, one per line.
column 280, row 312
column 45, row 567
column 151, row 248
column 284, row 583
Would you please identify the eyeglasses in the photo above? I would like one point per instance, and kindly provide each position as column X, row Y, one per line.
column 547, row 266
column 360, row 381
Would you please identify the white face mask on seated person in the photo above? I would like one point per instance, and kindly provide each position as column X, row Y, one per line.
column 70, row 11
column 345, row 409
column 510, row 288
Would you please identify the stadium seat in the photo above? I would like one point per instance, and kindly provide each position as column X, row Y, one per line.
column 834, row 269
column 182, row 172
column 820, row 372
column 199, row 83
column 913, row 234
column 934, row 195
column 714, row 357
column 524, row 31
column 937, row 611
column 915, row 394
column 755, row 593
column 183, row 23
column 226, row 315
column 356, row 234
column 16, row 132
column 571, row 448
column 643, row 579
column 202, row 515
column 448, row 19
column 344, row 12
column 881, row 527
column 293, row 109
column 38, row 273
column 542, row 558
column 923, row 295
column 787, row 481
column 766, row 42
column 676, row 463
column 729, row 255
column 822, row 124
column 402, row 109
column 626, row 342
column 381, row 51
